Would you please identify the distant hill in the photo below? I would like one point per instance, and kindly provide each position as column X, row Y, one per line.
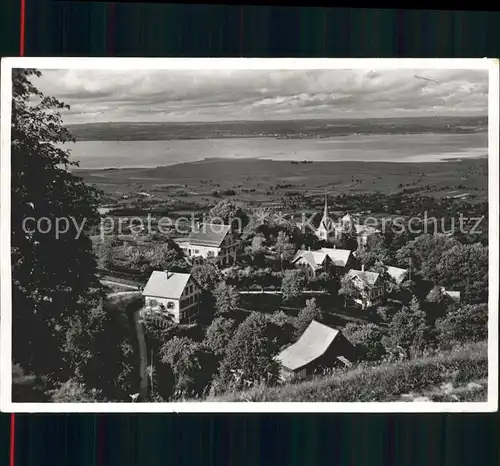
column 460, row 375
column 148, row 131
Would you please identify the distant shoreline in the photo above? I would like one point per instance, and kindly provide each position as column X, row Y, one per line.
column 284, row 162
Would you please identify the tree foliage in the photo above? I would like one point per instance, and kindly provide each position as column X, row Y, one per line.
column 250, row 353
column 310, row 312
column 228, row 213
column 53, row 275
column 219, row 334
column 464, row 324
column 227, row 298
column 367, row 339
column 408, row 329
column 293, row 284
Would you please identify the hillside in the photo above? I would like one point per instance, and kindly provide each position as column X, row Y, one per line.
column 460, row 375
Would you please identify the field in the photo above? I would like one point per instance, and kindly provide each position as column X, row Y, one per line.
column 256, row 182
column 460, row 375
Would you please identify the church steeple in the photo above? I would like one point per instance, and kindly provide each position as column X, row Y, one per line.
column 325, row 213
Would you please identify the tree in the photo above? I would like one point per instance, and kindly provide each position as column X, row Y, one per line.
column 207, row 275
column 408, row 329
column 310, row 312
column 374, row 252
column 424, row 253
column 347, row 288
column 191, row 364
column 250, row 353
column 228, row 213
column 227, row 299
column 165, row 256
column 256, row 250
column 293, row 284
column 219, row 334
column 104, row 252
column 349, row 238
column 53, row 273
column 367, row 339
column 284, row 247
column 465, row 267
column 465, row 324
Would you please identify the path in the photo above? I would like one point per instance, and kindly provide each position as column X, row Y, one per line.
column 124, row 285
column 135, row 320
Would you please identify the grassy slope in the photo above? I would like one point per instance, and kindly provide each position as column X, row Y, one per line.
column 388, row 382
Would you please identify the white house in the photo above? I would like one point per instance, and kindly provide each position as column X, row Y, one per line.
column 212, row 240
column 173, row 294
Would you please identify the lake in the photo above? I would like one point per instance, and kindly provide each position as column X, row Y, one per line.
column 374, row 148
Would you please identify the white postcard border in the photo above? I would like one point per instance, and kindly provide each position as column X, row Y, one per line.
column 491, row 65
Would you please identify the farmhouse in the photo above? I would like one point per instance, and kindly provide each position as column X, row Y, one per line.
column 318, row 348
column 212, row 240
column 322, row 260
column 368, row 287
column 174, row 294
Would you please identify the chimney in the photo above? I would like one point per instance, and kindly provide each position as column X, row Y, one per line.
column 309, row 248
column 168, row 274
column 362, row 267
column 334, row 246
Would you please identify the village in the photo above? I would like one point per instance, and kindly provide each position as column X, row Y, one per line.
column 345, row 262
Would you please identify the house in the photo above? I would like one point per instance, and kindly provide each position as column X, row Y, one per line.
column 397, row 274
column 368, row 287
column 322, row 260
column 212, row 240
column 173, row 294
column 318, row 347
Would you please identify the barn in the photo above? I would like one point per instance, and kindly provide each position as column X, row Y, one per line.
column 319, row 347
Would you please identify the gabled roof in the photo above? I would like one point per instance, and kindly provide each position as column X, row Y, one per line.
column 339, row 257
column 316, row 259
column 455, row 295
column 396, row 273
column 367, row 279
column 313, row 343
column 209, row 234
column 311, row 257
column 166, row 284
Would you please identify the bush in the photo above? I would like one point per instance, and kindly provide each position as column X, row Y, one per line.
column 466, row 324
column 367, row 339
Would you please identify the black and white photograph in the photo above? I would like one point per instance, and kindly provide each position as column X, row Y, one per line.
column 275, row 235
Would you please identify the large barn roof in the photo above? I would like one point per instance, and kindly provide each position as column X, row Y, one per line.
column 313, row 343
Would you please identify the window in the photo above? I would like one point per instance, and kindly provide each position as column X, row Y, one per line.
column 170, row 305
column 196, row 251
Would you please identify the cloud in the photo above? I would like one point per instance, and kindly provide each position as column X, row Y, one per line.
column 211, row 95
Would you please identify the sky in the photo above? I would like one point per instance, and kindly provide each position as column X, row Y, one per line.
column 219, row 95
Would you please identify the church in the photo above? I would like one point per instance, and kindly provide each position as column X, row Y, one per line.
column 328, row 229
